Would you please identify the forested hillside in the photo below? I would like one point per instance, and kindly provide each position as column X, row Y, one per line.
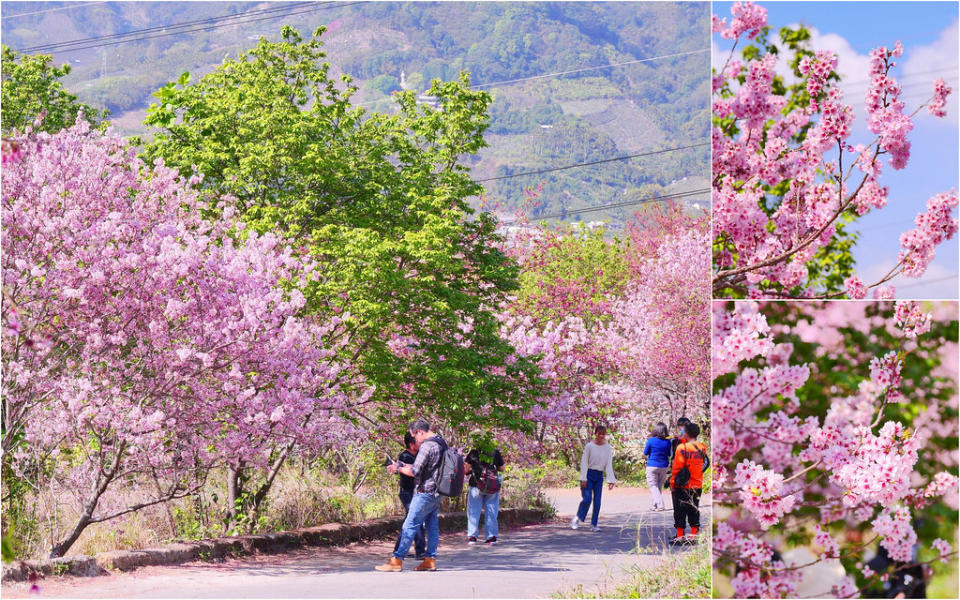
column 562, row 93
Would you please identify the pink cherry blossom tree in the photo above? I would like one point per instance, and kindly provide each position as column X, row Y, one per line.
column 144, row 344
column 834, row 429
column 619, row 326
column 788, row 177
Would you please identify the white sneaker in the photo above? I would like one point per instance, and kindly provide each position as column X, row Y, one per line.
column 596, row 528
column 574, row 522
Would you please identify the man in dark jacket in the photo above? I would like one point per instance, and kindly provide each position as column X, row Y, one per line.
column 407, row 487
column 425, row 505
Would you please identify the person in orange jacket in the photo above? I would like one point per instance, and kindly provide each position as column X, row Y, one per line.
column 686, row 482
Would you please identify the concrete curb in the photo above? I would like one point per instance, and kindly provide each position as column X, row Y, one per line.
column 331, row 534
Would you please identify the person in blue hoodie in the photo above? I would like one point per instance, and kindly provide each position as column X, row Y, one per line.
column 657, row 452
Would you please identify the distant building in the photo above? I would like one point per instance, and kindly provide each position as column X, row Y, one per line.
column 431, row 101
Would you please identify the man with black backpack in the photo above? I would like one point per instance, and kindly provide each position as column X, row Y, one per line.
column 407, row 490
column 483, row 462
column 437, row 470
column 686, row 482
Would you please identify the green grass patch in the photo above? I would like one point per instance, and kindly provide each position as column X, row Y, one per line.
column 678, row 576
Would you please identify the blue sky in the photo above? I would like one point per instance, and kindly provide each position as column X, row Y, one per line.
column 928, row 31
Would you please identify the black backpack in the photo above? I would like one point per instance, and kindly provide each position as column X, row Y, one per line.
column 682, row 477
column 488, row 479
column 449, row 471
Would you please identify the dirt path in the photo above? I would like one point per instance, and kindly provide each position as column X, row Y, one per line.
column 530, row 562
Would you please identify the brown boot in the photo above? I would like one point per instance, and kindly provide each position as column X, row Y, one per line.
column 428, row 564
column 394, row 565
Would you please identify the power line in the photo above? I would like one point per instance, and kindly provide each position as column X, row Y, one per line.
column 38, row 12
column 919, row 283
column 556, row 74
column 328, row 5
column 173, row 26
column 620, row 64
column 580, row 211
column 595, row 162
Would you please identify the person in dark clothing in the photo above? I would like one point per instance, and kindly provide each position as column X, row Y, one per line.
column 905, row 580
column 678, row 439
column 407, row 489
column 686, row 494
column 483, row 497
column 425, row 505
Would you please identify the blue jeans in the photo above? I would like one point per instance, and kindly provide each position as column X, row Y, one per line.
column 419, row 542
column 593, row 490
column 490, row 505
column 424, row 509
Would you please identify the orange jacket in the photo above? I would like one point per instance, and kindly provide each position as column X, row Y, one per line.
column 688, row 454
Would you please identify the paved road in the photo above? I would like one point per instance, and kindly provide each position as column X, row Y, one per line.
column 535, row 561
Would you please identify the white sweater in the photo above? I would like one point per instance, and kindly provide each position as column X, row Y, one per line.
column 599, row 458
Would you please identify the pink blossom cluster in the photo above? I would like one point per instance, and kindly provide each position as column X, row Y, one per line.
column 762, row 493
column 758, row 574
column 822, row 538
column 939, row 101
column 885, row 373
column 131, row 319
column 897, row 534
column 943, row 547
column 853, row 465
column 766, row 255
column 855, row 288
column 885, row 115
column 846, row 588
column 747, row 18
column 933, row 227
column 911, row 319
column 817, row 70
column 738, row 335
column 874, row 468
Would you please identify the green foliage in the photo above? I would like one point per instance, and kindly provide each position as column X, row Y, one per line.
column 494, row 41
column 385, row 84
column 31, row 86
column 576, row 260
column 379, row 200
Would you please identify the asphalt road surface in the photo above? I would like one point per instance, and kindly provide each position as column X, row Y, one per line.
column 534, row 561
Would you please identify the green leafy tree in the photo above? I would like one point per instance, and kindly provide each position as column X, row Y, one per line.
column 380, row 201
column 31, row 86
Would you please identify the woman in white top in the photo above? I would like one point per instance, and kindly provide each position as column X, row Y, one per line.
column 597, row 458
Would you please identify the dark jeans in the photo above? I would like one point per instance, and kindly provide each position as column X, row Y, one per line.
column 686, row 507
column 593, row 491
column 420, row 541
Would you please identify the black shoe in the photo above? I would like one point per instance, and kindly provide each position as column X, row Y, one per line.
column 676, row 541
column 491, row 540
column 420, row 556
column 472, row 540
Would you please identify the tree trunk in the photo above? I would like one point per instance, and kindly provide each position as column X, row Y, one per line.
column 234, row 495
column 264, row 489
column 61, row 548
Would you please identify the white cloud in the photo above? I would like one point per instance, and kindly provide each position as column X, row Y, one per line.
column 923, row 64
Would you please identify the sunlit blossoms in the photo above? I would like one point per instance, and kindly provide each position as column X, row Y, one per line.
column 136, row 332
column 810, row 437
column 788, row 176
